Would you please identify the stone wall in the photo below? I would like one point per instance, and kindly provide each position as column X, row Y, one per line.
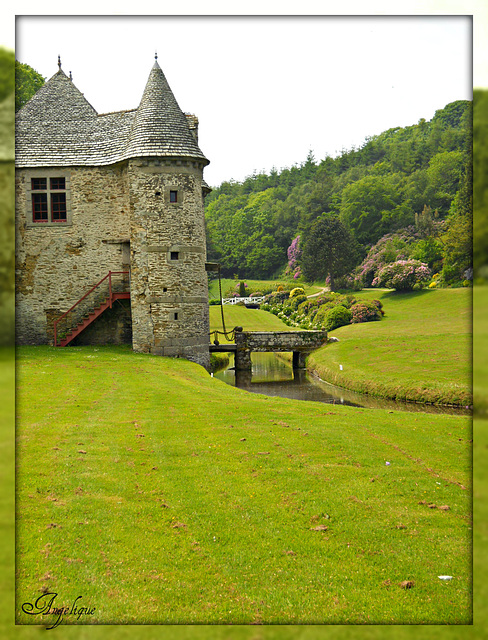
column 301, row 343
column 280, row 340
column 169, row 287
column 57, row 263
column 114, row 326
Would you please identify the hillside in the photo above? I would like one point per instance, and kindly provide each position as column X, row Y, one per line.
column 375, row 190
column 419, row 351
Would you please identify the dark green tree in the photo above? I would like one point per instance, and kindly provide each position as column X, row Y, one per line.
column 458, row 240
column 444, row 175
column 329, row 250
column 27, row 82
column 373, row 206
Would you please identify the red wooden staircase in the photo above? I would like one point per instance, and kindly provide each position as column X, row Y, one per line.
column 88, row 308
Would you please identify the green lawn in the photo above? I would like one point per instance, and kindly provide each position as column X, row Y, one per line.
column 162, row 495
column 248, row 319
column 420, row 350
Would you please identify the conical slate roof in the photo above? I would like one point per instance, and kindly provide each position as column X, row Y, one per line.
column 160, row 127
column 58, row 127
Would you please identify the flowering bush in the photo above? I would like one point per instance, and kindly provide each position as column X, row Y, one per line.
column 390, row 248
column 435, row 281
column 403, row 275
column 365, row 312
column 297, row 291
column 328, row 311
column 379, row 305
column 277, row 297
column 294, row 254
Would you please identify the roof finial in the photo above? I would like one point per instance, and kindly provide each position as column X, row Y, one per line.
column 156, row 55
column 70, row 76
column 59, row 62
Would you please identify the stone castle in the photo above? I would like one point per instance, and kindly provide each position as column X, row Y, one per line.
column 119, row 195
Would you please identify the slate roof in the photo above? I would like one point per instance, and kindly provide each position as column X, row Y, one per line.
column 59, row 127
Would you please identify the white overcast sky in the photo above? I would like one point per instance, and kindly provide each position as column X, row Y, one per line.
column 266, row 90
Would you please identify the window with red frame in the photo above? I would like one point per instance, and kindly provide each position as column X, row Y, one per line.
column 49, row 200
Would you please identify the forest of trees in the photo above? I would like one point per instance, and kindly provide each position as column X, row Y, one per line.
column 410, row 187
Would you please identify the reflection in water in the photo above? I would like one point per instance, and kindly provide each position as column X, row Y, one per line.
column 273, row 376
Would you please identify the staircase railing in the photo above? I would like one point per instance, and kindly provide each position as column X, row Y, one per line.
column 104, row 290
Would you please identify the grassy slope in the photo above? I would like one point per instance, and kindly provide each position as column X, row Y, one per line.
column 248, row 319
column 419, row 351
column 162, row 495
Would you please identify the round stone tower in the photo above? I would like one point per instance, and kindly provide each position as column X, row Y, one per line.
column 169, row 291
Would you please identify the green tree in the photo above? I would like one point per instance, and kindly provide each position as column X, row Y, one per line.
column 457, row 254
column 373, row 206
column 444, row 175
column 328, row 250
column 27, row 82
column 458, row 240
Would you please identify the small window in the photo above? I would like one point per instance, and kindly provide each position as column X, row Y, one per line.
column 38, row 184
column 175, row 315
column 58, row 183
column 39, row 207
column 175, row 255
column 173, row 196
column 49, row 201
column 58, row 207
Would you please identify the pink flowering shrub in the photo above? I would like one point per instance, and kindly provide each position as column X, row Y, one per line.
column 403, row 275
column 365, row 312
column 388, row 249
column 294, row 253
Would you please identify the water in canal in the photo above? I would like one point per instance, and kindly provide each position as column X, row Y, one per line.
column 274, row 376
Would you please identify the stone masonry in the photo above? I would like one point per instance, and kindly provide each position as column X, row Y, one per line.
column 301, row 343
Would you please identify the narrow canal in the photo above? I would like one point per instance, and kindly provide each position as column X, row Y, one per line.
column 274, row 376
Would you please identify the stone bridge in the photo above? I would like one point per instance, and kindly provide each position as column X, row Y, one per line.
column 301, row 343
